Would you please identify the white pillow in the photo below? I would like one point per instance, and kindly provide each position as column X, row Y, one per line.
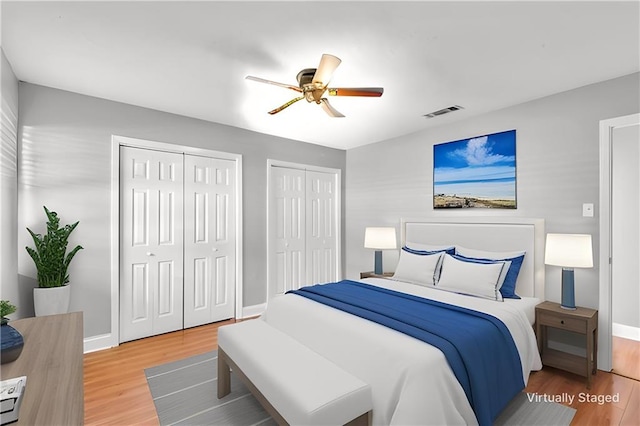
column 428, row 247
column 483, row 254
column 475, row 279
column 503, row 274
column 508, row 289
column 417, row 268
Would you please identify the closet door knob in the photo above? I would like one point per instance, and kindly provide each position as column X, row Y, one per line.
column 150, row 254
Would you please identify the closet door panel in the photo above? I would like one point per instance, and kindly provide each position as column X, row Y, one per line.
column 209, row 240
column 224, row 264
column 321, row 237
column 287, row 227
column 151, row 220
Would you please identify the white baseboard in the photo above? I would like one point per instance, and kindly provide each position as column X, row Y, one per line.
column 252, row 311
column 97, row 343
column 625, row 331
column 105, row 341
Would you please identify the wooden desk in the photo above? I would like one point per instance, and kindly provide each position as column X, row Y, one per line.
column 52, row 360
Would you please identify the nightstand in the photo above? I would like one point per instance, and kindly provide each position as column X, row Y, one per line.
column 582, row 321
column 370, row 274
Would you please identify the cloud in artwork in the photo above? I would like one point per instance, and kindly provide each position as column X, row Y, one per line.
column 478, row 152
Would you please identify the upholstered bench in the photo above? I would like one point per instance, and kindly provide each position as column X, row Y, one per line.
column 294, row 384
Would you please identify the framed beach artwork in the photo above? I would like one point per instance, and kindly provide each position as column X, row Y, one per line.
column 478, row 172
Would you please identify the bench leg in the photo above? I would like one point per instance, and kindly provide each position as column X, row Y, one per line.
column 224, row 375
column 363, row 420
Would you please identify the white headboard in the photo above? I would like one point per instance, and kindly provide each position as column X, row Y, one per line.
column 492, row 234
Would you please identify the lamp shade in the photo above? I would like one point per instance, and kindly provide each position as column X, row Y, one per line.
column 569, row 250
column 380, row 238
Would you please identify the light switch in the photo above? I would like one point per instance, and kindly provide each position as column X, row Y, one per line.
column 587, row 210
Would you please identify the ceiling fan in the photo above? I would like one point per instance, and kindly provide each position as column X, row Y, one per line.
column 313, row 82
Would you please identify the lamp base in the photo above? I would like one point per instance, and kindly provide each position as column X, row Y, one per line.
column 568, row 290
column 568, row 308
column 377, row 267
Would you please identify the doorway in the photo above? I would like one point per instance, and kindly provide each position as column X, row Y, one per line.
column 625, row 249
column 620, row 245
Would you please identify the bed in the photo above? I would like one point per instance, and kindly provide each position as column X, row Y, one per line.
column 412, row 381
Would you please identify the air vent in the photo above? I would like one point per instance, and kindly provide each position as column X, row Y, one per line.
column 443, row 111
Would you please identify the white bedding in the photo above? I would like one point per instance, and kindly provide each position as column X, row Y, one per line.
column 411, row 380
column 527, row 305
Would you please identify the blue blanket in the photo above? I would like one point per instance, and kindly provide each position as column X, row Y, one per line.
column 478, row 347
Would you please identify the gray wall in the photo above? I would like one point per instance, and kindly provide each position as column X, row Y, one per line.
column 9, row 187
column 557, row 152
column 65, row 164
column 625, row 195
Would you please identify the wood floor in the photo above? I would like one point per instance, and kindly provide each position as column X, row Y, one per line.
column 115, row 387
column 116, row 392
column 626, row 357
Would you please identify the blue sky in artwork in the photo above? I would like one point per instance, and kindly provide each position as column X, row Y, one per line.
column 483, row 167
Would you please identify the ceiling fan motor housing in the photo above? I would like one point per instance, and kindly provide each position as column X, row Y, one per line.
column 305, row 76
column 312, row 91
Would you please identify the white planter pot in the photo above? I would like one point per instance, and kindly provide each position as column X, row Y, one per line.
column 51, row 300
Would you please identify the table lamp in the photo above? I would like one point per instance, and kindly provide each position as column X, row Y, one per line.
column 379, row 239
column 569, row 251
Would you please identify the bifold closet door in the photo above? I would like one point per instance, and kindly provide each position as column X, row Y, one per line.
column 151, row 242
column 210, row 240
column 302, row 229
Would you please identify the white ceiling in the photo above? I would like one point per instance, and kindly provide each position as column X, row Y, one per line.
column 190, row 58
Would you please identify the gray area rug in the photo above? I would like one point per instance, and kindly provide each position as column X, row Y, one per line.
column 522, row 411
column 184, row 393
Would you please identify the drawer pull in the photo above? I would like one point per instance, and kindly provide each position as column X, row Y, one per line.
column 561, row 321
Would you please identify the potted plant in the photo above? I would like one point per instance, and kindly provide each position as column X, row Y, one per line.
column 11, row 341
column 52, row 262
column 6, row 308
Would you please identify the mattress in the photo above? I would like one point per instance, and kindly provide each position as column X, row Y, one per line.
column 527, row 305
column 411, row 380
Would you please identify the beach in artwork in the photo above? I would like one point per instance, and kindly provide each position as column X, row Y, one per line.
column 478, row 172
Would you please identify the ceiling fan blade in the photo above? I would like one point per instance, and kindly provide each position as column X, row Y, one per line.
column 275, row 83
column 328, row 64
column 356, row 91
column 281, row 107
column 331, row 111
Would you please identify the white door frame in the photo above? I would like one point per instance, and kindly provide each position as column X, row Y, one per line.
column 338, row 211
column 113, row 338
column 607, row 127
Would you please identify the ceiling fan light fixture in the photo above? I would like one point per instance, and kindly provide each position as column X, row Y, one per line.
column 312, row 85
column 328, row 64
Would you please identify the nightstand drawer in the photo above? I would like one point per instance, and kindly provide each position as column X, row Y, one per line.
column 564, row 323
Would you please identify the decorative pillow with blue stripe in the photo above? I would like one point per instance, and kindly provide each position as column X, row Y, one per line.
column 418, row 248
column 508, row 288
column 418, row 268
column 473, row 278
